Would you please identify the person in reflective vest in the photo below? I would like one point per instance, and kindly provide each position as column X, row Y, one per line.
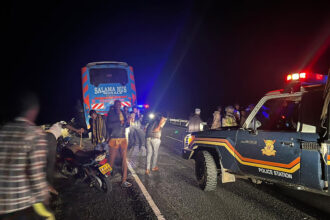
column 229, row 120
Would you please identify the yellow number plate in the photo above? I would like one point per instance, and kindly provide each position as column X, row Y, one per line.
column 105, row 168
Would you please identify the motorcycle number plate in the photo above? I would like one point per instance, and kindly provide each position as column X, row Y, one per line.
column 105, row 168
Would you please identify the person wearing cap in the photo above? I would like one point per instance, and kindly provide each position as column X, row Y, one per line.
column 195, row 122
column 229, row 120
column 153, row 134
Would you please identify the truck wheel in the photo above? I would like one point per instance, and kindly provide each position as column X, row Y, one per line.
column 206, row 171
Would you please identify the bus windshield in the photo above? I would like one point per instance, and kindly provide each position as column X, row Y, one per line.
column 108, row 76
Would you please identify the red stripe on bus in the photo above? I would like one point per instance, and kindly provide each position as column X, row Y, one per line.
column 85, row 89
column 86, row 101
column 134, row 98
column 133, row 87
column 84, row 79
column 83, row 70
column 131, row 76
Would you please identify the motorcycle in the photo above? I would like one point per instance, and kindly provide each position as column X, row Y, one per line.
column 88, row 166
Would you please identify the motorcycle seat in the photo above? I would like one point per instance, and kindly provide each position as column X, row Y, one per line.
column 83, row 156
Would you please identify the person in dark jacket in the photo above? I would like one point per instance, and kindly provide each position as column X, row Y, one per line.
column 195, row 122
column 153, row 134
column 116, row 124
column 99, row 131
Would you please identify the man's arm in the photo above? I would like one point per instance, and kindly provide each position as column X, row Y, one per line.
column 79, row 131
column 36, row 171
column 161, row 124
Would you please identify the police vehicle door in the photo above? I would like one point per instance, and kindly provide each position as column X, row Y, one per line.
column 272, row 150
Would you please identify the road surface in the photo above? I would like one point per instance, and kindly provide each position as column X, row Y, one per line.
column 173, row 193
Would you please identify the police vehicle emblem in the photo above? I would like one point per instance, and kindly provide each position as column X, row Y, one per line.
column 268, row 150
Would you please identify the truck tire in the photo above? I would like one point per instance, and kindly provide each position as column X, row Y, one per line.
column 206, row 171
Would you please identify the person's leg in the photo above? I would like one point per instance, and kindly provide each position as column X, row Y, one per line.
column 155, row 145
column 131, row 137
column 113, row 148
column 126, row 135
column 123, row 151
column 141, row 137
column 149, row 152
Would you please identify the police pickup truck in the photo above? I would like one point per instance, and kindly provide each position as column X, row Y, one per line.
column 285, row 139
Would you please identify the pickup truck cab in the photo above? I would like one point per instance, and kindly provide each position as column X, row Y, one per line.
column 283, row 140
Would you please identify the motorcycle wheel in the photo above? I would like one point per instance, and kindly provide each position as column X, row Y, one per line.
column 102, row 183
column 106, row 184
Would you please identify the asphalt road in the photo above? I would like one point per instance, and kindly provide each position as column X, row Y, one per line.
column 175, row 192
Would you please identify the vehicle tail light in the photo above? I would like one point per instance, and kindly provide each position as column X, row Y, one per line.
column 319, row 76
column 102, row 162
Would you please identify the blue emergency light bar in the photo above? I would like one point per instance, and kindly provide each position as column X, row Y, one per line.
column 143, row 106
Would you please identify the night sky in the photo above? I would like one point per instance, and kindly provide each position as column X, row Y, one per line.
column 185, row 54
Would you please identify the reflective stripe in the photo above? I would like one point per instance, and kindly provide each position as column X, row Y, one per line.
column 289, row 168
column 41, row 210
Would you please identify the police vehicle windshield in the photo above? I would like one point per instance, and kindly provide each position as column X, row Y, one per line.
column 279, row 114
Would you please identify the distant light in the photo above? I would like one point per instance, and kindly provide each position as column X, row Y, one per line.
column 151, row 115
column 289, row 77
column 146, row 106
column 302, row 75
column 319, row 76
column 295, row 76
column 140, row 106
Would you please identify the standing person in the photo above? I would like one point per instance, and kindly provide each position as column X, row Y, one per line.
column 153, row 134
column 229, row 120
column 116, row 124
column 195, row 122
column 99, row 131
column 237, row 113
column 137, row 132
column 23, row 157
column 216, row 124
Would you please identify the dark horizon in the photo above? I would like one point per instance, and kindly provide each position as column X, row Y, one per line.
column 185, row 54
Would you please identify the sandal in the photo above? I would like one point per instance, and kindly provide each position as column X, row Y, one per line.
column 126, row 184
column 155, row 169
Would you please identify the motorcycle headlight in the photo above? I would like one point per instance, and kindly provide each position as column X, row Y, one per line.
column 100, row 157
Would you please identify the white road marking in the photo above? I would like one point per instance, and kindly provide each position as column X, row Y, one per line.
column 146, row 193
column 175, row 139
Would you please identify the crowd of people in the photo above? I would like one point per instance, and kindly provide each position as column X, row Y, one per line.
column 120, row 129
column 27, row 153
column 232, row 116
